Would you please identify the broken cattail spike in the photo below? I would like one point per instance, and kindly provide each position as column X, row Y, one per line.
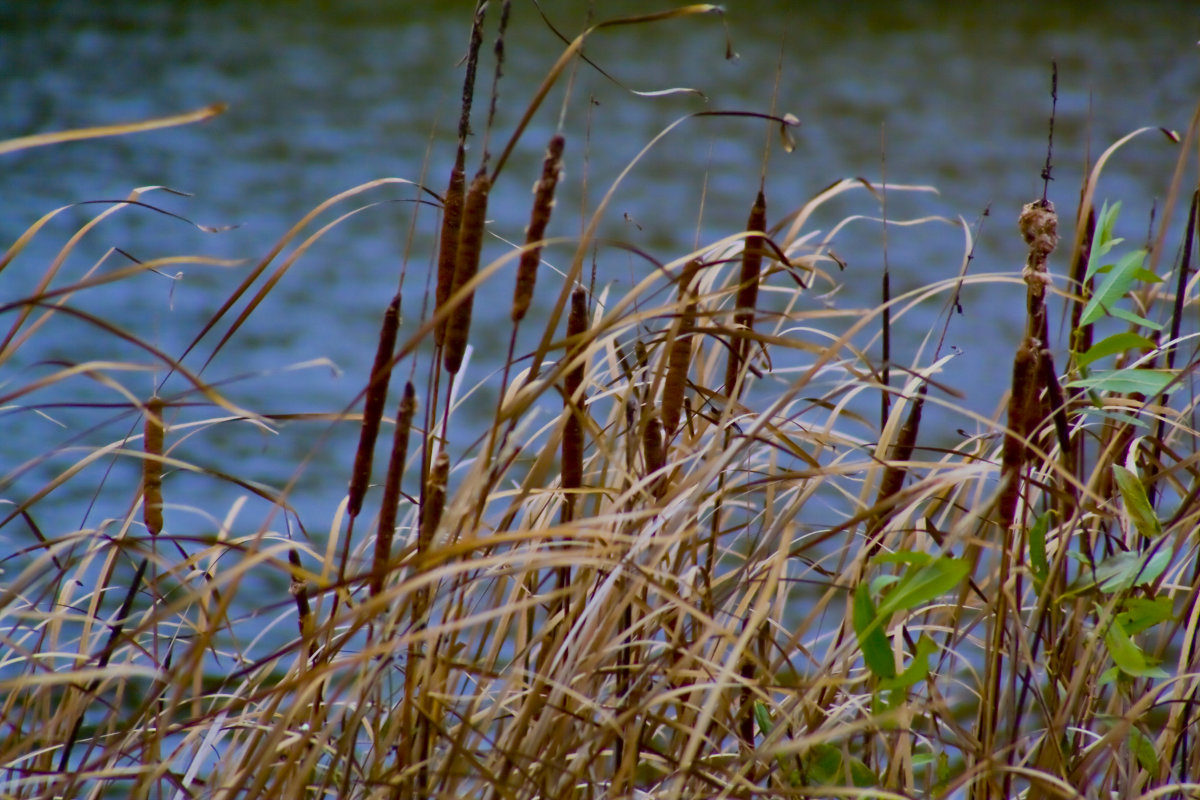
column 470, row 246
column 543, row 204
column 152, row 467
column 377, row 388
column 391, row 487
column 452, row 213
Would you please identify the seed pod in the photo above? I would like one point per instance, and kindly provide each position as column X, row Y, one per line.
column 539, row 218
column 470, row 246
column 452, row 212
column 747, row 296
column 377, row 388
column 680, row 356
column 152, row 468
column 391, row 487
column 572, row 444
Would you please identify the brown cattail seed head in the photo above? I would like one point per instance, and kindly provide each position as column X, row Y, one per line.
column 470, row 247
column 452, row 212
column 539, row 218
column 152, row 468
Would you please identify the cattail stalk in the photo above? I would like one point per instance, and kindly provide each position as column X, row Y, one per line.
column 539, row 218
column 572, row 444
column 470, row 246
column 747, row 295
column 391, row 487
column 152, row 467
column 452, row 203
column 574, row 409
column 433, row 503
column 679, row 357
column 893, row 476
column 452, row 214
column 653, row 452
column 377, row 388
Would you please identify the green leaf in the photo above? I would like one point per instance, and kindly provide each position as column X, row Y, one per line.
column 1116, row 284
column 868, row 627
column 1122, row 571
column 1102, row 239
column 917, row 670
column 1127, row 655
column 1134, row 319
column 861, row 775
column 930, row 581
column 1137, row 504
column 1112, row 345
column 910, row 557
column 1144, row 749
column 1037, row 547
column 1119, row 417
column 1143, row 381
column 824, row 765
column 1142, row 613
column 763, row 717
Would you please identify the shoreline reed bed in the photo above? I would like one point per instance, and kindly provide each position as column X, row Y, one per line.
column 680, row 561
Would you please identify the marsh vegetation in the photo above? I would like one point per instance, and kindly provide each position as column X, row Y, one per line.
column 703, row 546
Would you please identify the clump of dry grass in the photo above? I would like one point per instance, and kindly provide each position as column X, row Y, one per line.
column 670, row 567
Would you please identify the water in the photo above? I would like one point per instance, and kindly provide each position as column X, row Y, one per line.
column 328, row 98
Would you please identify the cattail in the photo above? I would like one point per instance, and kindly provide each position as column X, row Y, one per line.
column 572, row 444
column 902, row 450
column 653, row 451
column 434, row 502
column 747, row 296
column 1081, row 335
column 1022, row 407
column 452, row 212
column 539, row 218
column 679, row 357
column 377, row 387
column 391, row 487
column 894, row 474
column 470, row 245
column 152, row 467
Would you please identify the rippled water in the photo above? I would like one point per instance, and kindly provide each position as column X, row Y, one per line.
column 327, row 98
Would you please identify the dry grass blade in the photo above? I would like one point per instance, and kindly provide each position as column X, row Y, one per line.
column 59, row 137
